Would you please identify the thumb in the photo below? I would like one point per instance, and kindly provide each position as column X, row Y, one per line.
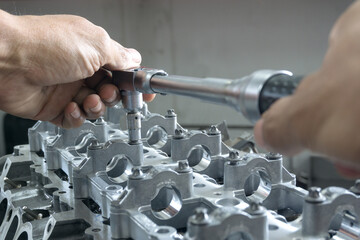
column 277, row 130
column 120, row 58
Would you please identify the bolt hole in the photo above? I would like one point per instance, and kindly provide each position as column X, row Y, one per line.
column 49, row 227
column 199, row 185
column 111, row 188
column 273, row 227
column 162, row 230
column 228, row 202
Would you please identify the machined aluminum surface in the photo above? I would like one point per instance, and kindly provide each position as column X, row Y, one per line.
column 93, row 183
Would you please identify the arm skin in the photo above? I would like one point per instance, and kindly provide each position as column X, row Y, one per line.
column 57, row 68
column 324, row 113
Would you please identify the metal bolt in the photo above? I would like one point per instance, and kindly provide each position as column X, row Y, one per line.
column 201, row 216
column 100, row 121
column 170, row 113
column 183, row 166
column 213, row 130
column 356, row 188
column 16, row 151
column 136, row 173
column 11, row 183
column 273, row 156
column 357, row 183
column 233, row 154
column 179, row 133
column 95, row 145
column 315, row 195
column 255, row 208
column 32, row 213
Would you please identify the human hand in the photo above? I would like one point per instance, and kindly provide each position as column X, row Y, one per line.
column 324, row 114
column 57, row 68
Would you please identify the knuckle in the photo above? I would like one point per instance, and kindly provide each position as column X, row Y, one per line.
column 102, row 37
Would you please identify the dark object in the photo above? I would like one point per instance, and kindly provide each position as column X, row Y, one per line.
column 277, row 87
column 15, row 131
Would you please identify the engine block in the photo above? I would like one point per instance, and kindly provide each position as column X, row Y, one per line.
column 92, row 183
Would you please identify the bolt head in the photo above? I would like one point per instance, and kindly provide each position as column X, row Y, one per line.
column 183, row 166
column 356, row 188
column 100, row 121
column 213, row 130
column 315, row 195
column 170, row 113
column 95, row 145
column 233, row 154
column 200, row 217
column 273, row 156
column 136, row 173
column 255, row 208
column 357, row 184
column 179, row 133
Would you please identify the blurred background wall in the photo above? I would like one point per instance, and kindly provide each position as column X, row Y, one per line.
column 226, row 39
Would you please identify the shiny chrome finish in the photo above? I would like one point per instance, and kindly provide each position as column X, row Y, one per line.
column 242, row 94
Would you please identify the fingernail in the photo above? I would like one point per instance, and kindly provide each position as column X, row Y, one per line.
column 112, row 98
column 75, row 114
column 136, row 57
column 97, row 108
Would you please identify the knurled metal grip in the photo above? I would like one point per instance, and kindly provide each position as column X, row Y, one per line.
column 276, row 87
column 136, row 79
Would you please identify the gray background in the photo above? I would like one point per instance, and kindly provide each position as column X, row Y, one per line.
column 213, row 38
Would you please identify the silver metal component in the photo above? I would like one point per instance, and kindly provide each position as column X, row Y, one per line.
column 338, row 212
column 136, row 173
column 183, row 166
column 134, row 127
column 137, row 79
column 31, row 213
column 315, row 195
column 170, row 113
column 242, row 94
column 11, row 183
column 213, row 130
column 272, row 156
column 132, row 101
column 200, row 217
column 100, row 182
column 356, row 188
column 179, row 134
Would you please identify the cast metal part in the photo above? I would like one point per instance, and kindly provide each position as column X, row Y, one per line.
column 166, row 182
